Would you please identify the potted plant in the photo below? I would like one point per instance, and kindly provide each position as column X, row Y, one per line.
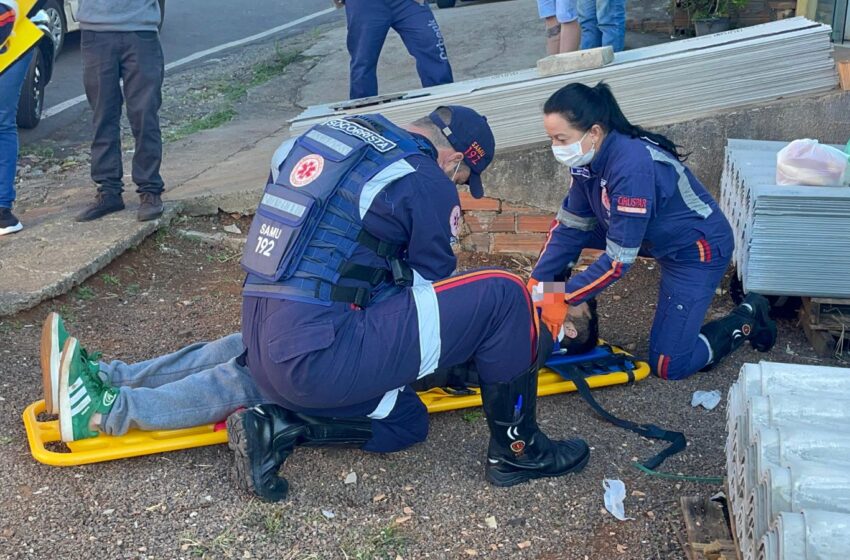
column 712, row 16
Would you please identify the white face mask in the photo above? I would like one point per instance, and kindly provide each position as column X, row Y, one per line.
column 572, row 155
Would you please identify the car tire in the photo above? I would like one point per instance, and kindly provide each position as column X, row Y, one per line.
column 58, row 26
column 446, row 3
column 32, row 92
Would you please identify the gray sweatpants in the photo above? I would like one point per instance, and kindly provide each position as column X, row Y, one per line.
column 198, row 384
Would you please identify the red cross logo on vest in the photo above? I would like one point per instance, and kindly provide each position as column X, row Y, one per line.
column 306, row 170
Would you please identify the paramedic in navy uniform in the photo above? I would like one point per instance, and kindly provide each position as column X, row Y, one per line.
column 630, row 193
column 349, row 299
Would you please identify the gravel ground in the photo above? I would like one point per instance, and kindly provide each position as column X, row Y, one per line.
column 430, row 501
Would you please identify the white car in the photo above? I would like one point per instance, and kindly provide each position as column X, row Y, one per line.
column 63, row 19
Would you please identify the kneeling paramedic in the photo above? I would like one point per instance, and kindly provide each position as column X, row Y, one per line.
column 348, row 301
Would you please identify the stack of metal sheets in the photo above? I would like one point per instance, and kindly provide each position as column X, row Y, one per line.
column 655, row 85
column 788, row 461
column 788, row 240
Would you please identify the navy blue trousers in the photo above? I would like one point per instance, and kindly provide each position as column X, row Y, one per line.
column 368, row 24
column 346, row 362
column 689, row 278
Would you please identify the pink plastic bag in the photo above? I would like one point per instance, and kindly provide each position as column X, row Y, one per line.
column 807, row 162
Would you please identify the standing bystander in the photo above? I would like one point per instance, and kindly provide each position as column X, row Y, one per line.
column 563, row 33
column 120, row 41
column 368, row 23
column 603, row 23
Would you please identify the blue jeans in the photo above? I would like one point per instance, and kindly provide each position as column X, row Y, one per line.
column 199, row 384
column 10, row 92
column 603, row 23
column 369, row 21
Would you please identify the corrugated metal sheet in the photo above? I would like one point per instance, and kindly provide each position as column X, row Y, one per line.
column 788, row 240
column 654, row 85
column 788, row 450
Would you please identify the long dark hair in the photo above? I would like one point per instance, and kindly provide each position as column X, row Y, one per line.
column 584, row 106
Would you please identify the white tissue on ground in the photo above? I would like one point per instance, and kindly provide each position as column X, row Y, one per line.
column 708, row 399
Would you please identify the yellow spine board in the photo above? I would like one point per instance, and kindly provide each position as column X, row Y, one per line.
column 136, row 443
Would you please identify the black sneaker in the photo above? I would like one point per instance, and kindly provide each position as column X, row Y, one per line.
column 8, row 222
column 104, row 203
column 150, row 208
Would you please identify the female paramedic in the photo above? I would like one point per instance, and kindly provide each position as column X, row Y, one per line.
column 630, row 194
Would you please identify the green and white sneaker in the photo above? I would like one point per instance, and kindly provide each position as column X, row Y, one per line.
column 53, row 337
column 81, row 393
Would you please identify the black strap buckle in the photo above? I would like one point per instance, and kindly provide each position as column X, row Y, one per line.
column 402, row 273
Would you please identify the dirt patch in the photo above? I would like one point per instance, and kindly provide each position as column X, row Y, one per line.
column 427, row 502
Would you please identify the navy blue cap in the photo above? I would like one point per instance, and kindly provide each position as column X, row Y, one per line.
column 470, row 135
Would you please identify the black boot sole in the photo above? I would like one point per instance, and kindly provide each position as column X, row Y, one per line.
column 505, row 480
column 244, row 459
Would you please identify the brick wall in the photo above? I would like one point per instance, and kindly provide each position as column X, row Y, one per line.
column 495, row 226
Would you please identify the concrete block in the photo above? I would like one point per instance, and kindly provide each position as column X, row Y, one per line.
column 565, row 63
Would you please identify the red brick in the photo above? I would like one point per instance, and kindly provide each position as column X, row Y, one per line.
column 503, row 222
column 520, row 209
column 525, row 243
column 479, row 242
column 476, row 222
column 489, row 222
column 485, row 203
column 534, row 223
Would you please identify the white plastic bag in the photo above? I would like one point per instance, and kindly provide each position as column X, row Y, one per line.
column 615, row 493
column 807, row 162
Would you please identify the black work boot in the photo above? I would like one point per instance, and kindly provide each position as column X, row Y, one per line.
column 261, row 439
column 518, row 450
column 264, row 436
column 749, row 321
column 104, row 203
column 763, row 333
column 150, row 207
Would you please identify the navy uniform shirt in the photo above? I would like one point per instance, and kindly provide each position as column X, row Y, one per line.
column 419, row 211
column 641, row 198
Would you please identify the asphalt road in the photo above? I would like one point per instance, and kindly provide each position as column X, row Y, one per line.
column 190, row 26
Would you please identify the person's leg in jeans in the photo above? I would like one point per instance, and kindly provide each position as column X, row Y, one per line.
column 143, row 68
column 421, row 35
column 611, row 21
column 591, row 36
column 198, row 384
column 101, row 77
column 198, row 398
column 174, row 366
column 10, row 91
column 368, row 25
